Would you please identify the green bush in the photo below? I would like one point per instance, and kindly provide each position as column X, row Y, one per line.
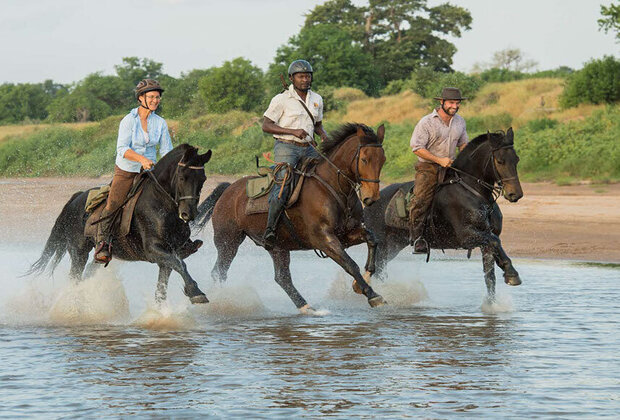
column 598, row 82
column 479, row 125
column 237, row 84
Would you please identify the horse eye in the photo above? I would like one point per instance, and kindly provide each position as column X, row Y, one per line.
column 364, row 160
column 501, row 161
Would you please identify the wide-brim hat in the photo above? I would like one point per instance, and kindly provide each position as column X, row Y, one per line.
column 450, row 94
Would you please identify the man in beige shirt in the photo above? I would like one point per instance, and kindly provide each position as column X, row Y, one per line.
column 293, row 117
column 434, row 140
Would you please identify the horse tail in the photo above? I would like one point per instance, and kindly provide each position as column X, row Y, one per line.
column 205, row 209
column 56, row 245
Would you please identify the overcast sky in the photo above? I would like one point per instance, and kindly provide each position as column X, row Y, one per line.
column 65, row 40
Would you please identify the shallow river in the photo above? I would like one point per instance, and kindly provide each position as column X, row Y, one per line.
column 549, row 348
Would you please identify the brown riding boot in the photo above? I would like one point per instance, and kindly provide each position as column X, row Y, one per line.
column 420, row 246
column 103, row 249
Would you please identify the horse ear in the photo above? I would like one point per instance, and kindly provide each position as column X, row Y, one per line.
column 360, row 131
column 204, row 158
column 510, row 137
column 381, row 133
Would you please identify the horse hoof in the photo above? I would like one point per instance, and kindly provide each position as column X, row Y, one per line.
column 307, row 310
column 512, row 281
column 199, row 299
column 377, row 301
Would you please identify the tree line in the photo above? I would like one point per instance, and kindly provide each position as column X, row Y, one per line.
column 382, row 47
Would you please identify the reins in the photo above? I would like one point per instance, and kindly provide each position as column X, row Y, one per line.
column 495, row 190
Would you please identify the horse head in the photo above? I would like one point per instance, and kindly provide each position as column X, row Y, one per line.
column 505, row 160
column 189, row 179
column 370, row 160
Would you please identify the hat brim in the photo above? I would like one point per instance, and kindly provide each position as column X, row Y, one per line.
column 450, row 99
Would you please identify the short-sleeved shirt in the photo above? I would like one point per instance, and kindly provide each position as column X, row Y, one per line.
column 432, row 134
column 286, row 111
column 131, row 136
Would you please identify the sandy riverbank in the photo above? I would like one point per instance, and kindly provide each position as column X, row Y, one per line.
column 579, row 222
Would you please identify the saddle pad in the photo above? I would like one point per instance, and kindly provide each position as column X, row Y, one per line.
column 258, row 186
column 396, row 211
column 90, row 230
column 95, row 197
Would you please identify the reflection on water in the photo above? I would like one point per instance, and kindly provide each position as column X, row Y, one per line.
column 434, row 353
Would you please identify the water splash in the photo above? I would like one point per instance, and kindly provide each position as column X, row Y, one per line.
column 100, row 299
column 164, row 318
column 501, row 304
column 397, row 293
column 231, row 301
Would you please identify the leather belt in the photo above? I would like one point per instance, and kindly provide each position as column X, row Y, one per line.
column 293, row 142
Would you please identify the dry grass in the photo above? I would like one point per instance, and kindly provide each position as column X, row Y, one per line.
column 405, row 107
column 524, row 100
column 7, row 131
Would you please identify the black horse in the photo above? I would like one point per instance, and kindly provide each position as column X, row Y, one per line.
column 159, row 230
column 464, row 213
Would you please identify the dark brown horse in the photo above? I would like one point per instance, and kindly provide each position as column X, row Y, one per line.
column 327, row 216
column 464, row 213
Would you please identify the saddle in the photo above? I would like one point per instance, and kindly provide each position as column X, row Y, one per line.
column 259, row 187
column 396, row 214
column 95, row 203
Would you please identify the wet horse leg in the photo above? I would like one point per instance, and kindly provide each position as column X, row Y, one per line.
column 162, row 284
column 511, row 276
column 160, row 256
column 488, row 265
column 79, row 257
column 334, row 249
column 227, row 246
column 282, row 273
column 358, row 235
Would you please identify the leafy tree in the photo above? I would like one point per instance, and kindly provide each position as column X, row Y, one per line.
column 507, row 60
column 610, row 20
column 400, row 35
column 91, row 99
column 598, row 82
column 135, row 69
column 237, row 84
column 182, row 95
column 336, row 58
column 21, row 102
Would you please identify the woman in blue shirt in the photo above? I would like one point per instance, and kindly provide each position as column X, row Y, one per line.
column 139, row 135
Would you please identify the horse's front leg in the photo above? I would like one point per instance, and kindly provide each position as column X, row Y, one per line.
column 160, row 256
column 511, row 276
column 488, row 265
column 334, row 249
column 162, row 284
column 358, row 235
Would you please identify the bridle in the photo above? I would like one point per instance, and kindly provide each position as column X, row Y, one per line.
column 495, row 190
column 355, row 184
column 176, row 198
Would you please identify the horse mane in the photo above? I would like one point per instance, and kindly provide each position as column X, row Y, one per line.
column 345, row 131
column 468, row 152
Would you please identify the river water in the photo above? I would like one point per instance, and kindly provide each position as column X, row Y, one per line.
column 546, row 349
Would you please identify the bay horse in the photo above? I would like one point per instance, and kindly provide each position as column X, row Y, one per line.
column 327, row 217
column 464, row 213
column 159, row 226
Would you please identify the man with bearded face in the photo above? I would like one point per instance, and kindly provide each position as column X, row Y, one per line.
column 434, row 140
column 293, row 117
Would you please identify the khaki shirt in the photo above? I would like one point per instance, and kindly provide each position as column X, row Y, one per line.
column 432, row 134
column 286, row 111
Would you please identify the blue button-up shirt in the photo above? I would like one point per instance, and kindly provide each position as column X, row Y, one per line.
column 131, row 136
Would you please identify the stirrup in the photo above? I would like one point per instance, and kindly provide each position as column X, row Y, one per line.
column 420, row 238
column 103, row 255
